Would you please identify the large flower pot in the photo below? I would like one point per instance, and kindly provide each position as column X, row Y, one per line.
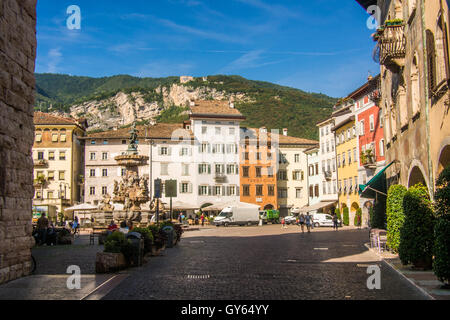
column 109, row 262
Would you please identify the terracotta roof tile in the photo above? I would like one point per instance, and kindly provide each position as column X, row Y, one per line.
column 214, row 107
column 253, row 133
column 160, row 130
column 47, row 118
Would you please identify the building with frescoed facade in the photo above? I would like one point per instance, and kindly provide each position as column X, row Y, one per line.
column 258, row 168
column 58, row 161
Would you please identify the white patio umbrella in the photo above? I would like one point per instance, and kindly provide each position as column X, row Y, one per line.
column 82, row 208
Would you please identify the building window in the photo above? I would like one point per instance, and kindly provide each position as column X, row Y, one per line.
column 246, row 190
column 164, row 151
column 104, row 190
column 258, row 172
column 270, row 172
column 92, row 191
column 296, row 175
column 62, row 175
column 184, row 187
column 282, row 175
column 123, row 142
column 51, row 155
column 164, row 169
column 232, row 131
column 217, row 191
column 104, row 172
column 105, row 156
column 40, row 155
column 349, row 156
column 259, row 190
column 231, row 190
column 93, row 142
column 324, row 188
column 62, row 155
column 298, row 193
column 93, row 155
column 63, row 137
column 297, row 158
column 311, row 191
column 203, row 190
column 316, row 191
column 92, row 173
column 204, row 130
column 282, row 193
column 220, row 169
column 245, row 172
column 271, row 190
column 51, row 175
column 372, row 122
column 231, row 169
column 50, row 195
column 185, row 169
column 204, row 168
column 38, row 137
column 381, row 148
column 218, row 131
column 54, row 137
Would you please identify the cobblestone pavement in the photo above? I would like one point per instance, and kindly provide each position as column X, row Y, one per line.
column 253, row 263
column 55, row 260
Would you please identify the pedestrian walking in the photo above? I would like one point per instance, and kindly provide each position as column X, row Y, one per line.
column 203, row 219
column 359, row 221
column 283, row 223
column 335, row 222
column 301, row 221
column 308, row 221
column 42, row 226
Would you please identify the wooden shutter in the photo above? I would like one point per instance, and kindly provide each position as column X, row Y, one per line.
column 431, row 60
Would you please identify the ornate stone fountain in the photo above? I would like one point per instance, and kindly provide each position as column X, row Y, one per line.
column 132, row 191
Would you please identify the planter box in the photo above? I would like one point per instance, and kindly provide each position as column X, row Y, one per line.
column 109, row 262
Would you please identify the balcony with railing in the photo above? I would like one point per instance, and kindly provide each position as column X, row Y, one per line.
column 392, row 43
column 220, row 178
column 40, row 163
column 327, row 175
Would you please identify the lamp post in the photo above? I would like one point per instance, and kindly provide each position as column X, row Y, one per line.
column 61, row 195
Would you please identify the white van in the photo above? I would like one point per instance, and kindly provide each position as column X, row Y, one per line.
column 324, row 220
column 237, row 216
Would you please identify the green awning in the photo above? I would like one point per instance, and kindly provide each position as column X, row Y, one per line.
column 376, row 185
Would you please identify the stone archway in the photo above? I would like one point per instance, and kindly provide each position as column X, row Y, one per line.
column 415, row 177
column 269, row 207
column 444, row 159
column 353, row 208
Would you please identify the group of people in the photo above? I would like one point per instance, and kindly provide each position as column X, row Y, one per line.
column 125, row 227
column 308, row 221
column 46, row 233
column 198, row 219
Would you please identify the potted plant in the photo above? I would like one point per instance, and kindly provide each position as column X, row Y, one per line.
column 148, row 238
column 116, row 255
column 159, row 239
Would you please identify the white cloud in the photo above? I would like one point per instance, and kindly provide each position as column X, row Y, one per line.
column 54, row 58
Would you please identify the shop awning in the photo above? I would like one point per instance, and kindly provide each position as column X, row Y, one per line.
column 376, row 185
column 318, row 206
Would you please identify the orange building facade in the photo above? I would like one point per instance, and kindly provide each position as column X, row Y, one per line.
column 258, row 169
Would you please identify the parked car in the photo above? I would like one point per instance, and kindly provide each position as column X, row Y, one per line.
column 324, row 220
column 290, row 219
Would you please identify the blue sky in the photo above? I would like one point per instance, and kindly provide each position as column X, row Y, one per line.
column 317, row 46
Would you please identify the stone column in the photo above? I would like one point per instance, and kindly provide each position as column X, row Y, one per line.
column 17, row 85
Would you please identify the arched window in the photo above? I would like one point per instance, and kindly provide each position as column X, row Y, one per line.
column 402, row 106
column 415, row 86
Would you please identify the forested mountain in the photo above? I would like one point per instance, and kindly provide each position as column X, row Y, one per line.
column 121, row 99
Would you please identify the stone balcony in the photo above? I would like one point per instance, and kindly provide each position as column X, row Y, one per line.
column 392, row 43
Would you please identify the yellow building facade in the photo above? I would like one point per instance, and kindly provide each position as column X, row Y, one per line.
column 347, row 156
column 58, row 162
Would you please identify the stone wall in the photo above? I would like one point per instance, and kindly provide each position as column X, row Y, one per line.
column 17, row 83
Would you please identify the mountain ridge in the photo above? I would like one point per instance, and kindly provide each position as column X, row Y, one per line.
column 119, row 100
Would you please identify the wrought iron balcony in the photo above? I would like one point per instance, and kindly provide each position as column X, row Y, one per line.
column 392, row 44
column 40, row 163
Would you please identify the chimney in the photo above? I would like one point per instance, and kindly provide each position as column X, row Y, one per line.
column 285, row 132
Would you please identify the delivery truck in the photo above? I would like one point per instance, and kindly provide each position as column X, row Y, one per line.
column 238, row 215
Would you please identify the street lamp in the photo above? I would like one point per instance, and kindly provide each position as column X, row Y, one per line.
column 62, row 196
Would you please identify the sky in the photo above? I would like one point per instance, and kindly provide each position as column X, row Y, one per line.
column 321, row 46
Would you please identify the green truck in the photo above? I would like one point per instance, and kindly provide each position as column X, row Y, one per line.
column 271, row 216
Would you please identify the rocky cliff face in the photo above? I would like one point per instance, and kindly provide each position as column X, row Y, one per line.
column 124, row 109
